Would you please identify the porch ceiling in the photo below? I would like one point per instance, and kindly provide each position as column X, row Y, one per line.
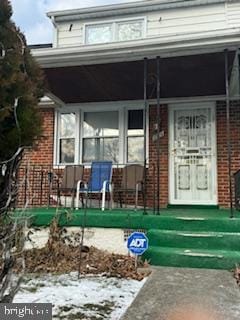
column 186, row 76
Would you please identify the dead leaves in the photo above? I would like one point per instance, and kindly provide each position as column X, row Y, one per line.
column 62, row 258
column 61, row 255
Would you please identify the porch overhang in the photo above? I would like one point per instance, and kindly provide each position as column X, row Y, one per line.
column 182, row 76
column 172, row 45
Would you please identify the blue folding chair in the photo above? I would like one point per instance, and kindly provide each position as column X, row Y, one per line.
column 100, row 182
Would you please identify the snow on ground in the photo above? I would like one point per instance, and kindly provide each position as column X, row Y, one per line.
column 88, row 298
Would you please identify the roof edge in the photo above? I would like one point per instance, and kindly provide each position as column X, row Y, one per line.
column 126, row 8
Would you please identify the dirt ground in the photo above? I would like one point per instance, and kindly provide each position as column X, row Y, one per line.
column 63, row 254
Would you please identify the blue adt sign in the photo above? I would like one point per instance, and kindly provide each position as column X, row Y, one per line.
column 137, row 243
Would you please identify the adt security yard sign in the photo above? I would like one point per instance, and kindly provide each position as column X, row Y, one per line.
column 137, row 243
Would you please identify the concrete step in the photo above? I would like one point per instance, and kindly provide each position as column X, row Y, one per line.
column 198, row 224
column 191, row 239
column 192, row 257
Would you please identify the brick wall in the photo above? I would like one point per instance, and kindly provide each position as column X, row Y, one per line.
column 42, row 153
column 222, row 152
column 163, row 166
column 37, row 162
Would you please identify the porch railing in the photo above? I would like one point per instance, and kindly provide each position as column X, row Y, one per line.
column 40, row 186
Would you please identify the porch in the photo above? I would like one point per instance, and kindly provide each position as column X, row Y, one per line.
column 186, row 135
column 198, row 217
column 187, row 141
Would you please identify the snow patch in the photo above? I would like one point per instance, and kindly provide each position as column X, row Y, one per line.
column 90, row 297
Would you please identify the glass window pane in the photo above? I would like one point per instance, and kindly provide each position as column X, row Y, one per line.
column 109, row 149
column 67, row 150
column 100, row 124
column 99, row 33
column 135, row 149
column 130, row 30
column 89, row 150
column 135, row 122
column 100, row 149
column 67, row 125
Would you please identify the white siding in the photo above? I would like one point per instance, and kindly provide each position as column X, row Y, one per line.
column 70, row 37
column 187, row 20
column 233, row 14
column 174, row 22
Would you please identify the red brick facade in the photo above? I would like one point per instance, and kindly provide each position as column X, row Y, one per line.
column 42, row 155
column 222, row 152
column 36, row 164
column 152, row 172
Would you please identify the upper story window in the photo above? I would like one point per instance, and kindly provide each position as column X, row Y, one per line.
column 130, row 30
column 99, row 33
column 122, row 30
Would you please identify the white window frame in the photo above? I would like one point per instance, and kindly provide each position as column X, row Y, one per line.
column 114, row 28
column 121, row 107
column 57, row 136
column 99, row 24
column 119, row 110
column 125, row 153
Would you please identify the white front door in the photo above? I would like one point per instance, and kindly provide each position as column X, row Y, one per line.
column 192, row 154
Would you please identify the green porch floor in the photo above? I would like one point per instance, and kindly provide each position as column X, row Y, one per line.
column 180, row 237
column 123, row 218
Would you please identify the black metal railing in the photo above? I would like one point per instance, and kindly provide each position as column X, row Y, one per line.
column 134, row 186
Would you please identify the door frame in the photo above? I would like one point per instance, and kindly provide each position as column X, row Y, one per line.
column 171, row 180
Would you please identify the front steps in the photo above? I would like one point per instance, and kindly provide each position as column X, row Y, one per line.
column 187, row 237
column 193, row 242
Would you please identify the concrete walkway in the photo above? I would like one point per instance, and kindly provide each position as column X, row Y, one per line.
column 169, row 289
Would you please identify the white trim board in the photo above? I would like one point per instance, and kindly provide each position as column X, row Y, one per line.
column 139, row 49
column 151, row 102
